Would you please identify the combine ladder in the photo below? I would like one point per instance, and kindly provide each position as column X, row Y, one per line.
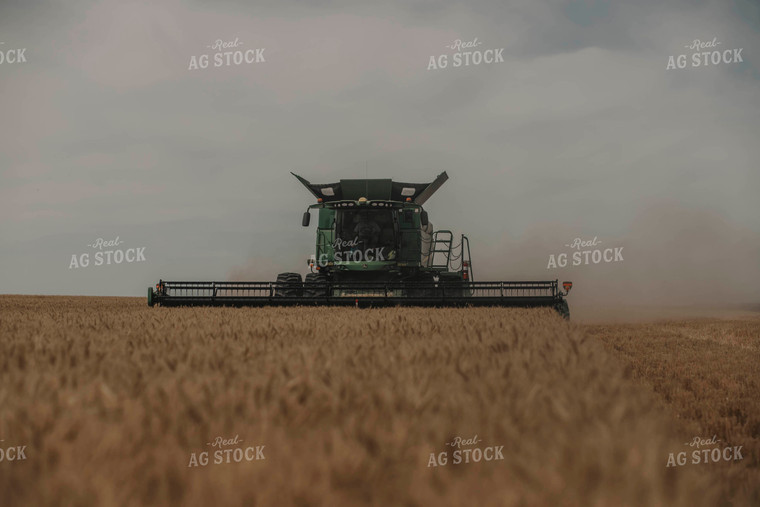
column 448, row 259
column 440, row 252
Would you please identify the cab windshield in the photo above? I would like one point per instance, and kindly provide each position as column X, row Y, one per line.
column 364, row 235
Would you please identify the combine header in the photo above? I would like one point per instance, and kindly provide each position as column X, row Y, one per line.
column 375, row 247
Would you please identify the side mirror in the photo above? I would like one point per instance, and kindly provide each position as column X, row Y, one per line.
column 424, row 218
column 306, row 219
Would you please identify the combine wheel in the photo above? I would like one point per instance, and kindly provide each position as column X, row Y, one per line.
column 288, row 285
column 315, row 285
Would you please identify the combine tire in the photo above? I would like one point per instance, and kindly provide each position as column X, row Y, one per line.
column 563, row 309
column 288, row 285
column 315, row 285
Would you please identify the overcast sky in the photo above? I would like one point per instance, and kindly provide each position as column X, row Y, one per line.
column 580, row 132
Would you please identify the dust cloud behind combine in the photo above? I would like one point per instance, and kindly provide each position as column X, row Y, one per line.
column 675, row 257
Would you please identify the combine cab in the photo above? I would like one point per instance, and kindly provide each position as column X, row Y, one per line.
column 375, row 247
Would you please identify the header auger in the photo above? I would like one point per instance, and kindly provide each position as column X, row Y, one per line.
column 375, row 246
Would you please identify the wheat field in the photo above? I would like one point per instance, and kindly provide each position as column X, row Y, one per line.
column 116, row 403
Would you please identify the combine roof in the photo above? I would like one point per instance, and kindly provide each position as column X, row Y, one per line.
column 374, row 189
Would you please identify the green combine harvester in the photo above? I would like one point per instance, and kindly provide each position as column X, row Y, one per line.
column 375, row 247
